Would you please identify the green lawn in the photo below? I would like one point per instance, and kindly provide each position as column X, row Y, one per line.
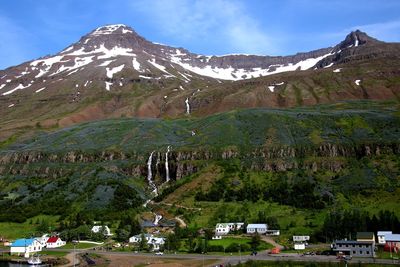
column 79, row 246
column 13, row 231
column 54, row 253
column 225, row 242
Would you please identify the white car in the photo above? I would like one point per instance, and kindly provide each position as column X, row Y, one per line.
column 159, row 253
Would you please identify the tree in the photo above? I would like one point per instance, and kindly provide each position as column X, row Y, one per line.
column 123, row 233
column 172, row 242
column 143, row 243
column 255, row 241
column 43, row 227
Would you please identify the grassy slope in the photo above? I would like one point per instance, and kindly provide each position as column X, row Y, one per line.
column 27, row 229
column 348, row 123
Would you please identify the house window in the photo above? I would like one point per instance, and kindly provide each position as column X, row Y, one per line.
column 354, row 246
column 361, row 252
column 367, row 252
column 360, row 246
column 347, row 246
column 354, row 252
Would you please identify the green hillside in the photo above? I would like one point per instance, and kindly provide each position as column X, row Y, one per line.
column 291, row 167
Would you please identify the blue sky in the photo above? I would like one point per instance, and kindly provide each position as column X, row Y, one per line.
column 31, row 28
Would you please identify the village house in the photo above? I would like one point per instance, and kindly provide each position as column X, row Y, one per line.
column 354, row 248
column 225, row 228
column 392, row 243
column 104, row 228
column 260, row 228
column 381, row 236
column 300, row 241
column 55, row 242
column 154, row 242
column 25, row 246
column 366, row 236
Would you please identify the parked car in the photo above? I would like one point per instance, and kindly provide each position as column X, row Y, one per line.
column 159, row 253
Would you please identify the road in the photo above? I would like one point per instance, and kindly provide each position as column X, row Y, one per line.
column 261, row 256
column 225, row 259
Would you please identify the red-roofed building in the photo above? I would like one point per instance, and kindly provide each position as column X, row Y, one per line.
column 54, row 242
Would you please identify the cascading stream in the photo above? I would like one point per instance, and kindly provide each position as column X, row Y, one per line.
column 166, row 164
column 150, row 174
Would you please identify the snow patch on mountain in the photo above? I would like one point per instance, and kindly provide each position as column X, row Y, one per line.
column 160, row 67
column 108, row 86
column 106, row 63
column 231, row 73
column 109, row 29
column 39, row 90
column 136, row 64
column 19, row 87
column 111, row 72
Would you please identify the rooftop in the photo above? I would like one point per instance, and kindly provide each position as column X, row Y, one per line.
column 23, row 242
column 365, row 235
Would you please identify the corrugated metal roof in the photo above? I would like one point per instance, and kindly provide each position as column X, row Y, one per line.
column 257, row 225
column 392, row 237
column 23, row 242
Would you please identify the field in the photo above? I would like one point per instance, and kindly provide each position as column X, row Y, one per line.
column 79, row 246
column 27, row 229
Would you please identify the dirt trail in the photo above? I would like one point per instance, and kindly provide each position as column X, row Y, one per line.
column 181, row 222
column 271, row 241
column 70, row 258
column 178, row 206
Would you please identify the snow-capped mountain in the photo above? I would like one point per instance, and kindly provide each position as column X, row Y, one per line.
column 111, row 49
column 112, row 71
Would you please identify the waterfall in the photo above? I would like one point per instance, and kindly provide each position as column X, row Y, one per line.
column 157, row 218
column 166, row 165
column 150, row 174
column 187, row 106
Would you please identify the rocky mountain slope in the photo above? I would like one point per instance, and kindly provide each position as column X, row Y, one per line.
column 114, row 72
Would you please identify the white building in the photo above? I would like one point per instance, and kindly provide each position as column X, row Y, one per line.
column 225, row 228
column 152, row 241
column 26, row 246
column 299, row 246
column 301, row 238
column 104, row 228
column 260, row 228
column 300, row 241
column 55, row 242
column 381, row 236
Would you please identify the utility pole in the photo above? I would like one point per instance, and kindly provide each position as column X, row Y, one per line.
column 74, row 242
column 240, row 253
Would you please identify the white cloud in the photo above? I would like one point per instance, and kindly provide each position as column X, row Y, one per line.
column 216, row 20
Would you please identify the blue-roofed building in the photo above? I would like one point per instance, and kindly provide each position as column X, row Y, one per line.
column 26, row 246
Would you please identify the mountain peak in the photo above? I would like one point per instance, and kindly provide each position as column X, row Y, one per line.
column 112, row 29
column 356, row 38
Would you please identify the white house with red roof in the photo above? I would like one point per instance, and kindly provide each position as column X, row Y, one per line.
column 55, row 242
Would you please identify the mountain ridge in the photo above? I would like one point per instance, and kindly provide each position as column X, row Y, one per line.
column 112, row 72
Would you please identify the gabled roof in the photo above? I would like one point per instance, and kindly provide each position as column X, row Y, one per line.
column 52, row 239
column 384, row 232
column 257, row 225
column 365, row 235
column 23, row 242
column 392, row 238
